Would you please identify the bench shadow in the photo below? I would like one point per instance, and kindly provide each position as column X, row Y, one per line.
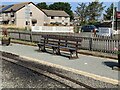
column 110, row 64
column 37, row 50
column 66, row 55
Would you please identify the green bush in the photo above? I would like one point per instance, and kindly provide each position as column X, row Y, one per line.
column 5, row 37
column 11, row 28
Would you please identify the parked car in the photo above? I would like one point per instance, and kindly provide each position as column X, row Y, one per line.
column 89, row 28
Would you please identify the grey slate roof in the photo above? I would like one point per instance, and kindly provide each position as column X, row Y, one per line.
column 14, row 7
column 55, row 13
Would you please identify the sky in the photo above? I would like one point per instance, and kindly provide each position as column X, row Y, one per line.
column 73, row 3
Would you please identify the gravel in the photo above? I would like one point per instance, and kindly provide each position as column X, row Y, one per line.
column 15, row 76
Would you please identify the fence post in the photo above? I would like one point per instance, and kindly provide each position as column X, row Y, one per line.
column 90, row 44
column 119, row 55
column 31, row 36
column 19, row 36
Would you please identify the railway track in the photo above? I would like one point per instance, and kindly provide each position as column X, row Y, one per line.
column 71, row 83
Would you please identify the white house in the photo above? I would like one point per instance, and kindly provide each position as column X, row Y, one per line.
column 28, row 14
column 56, row 17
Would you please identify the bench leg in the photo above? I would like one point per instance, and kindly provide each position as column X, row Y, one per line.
column 43, row 48
column 76, row 54
column 73, row 54
column 54, row 50
column 58, row 51
column 40, row 48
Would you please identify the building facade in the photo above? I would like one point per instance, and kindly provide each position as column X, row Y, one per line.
column 28, row 14
column 56, row 17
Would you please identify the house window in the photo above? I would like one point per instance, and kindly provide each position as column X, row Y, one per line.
column 31, row 14
column 66, row 18
column 27, row 22
column 52, row 17
column 12, row 14
column 6, row 14
column 66, row 24
column 13, row 22
column 60, row 18
column 34, row 21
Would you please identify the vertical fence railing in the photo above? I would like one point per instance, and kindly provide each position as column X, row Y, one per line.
column 90, row 44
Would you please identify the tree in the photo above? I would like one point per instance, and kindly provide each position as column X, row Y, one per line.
column 42, row 5
column 94, row 10
column 81, row 12
column 89, row 13
column 109, row 12
column 62, row 6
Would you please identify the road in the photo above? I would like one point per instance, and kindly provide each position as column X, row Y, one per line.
column 15, row 76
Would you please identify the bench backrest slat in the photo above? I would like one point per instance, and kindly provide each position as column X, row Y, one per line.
column 64, row 41
column 68, row 38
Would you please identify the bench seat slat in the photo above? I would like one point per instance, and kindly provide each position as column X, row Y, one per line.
column 52, row 45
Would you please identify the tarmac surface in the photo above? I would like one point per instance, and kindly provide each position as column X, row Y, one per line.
column 90, row 64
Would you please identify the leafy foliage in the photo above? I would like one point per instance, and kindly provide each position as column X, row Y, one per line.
column 94, row 11
column 81, row 12
column 89, row 13
column 62, row 6
column 57, row 6
column 109, row 12
column 42, row 5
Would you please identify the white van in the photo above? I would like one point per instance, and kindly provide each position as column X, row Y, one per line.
column 105, row 31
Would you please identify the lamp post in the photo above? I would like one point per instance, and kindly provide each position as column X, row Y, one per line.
column 117, row 16
column 119, row 56
column 113, row 18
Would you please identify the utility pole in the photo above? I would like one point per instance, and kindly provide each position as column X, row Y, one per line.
column 117, row 16
column 113, row 17
column 118, row 38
